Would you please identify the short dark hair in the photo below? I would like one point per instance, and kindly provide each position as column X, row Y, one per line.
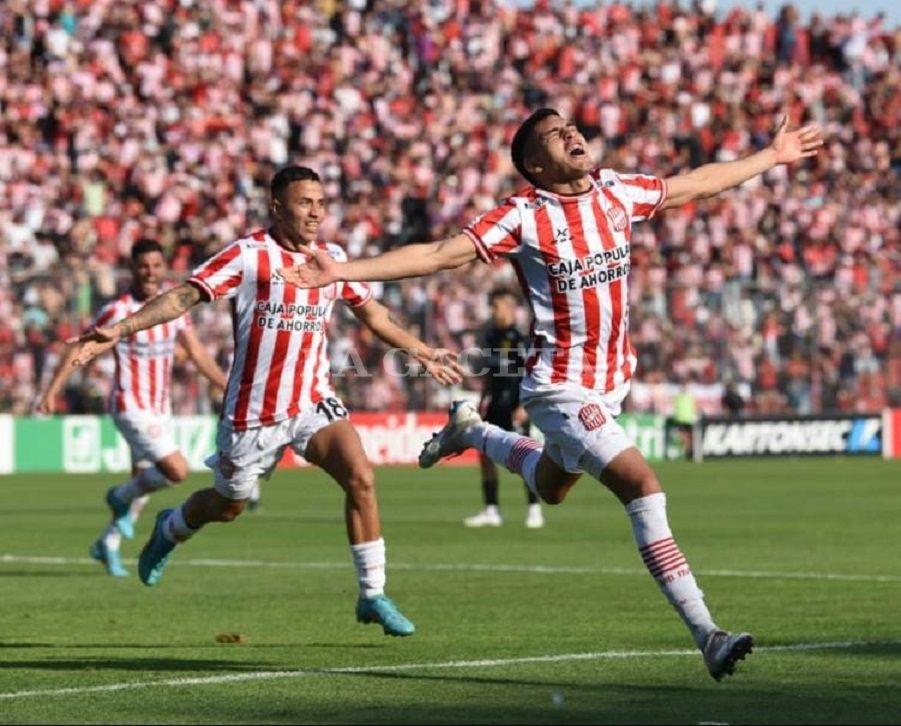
column 145, row 246
column 288, row 175
column 523, row 137
column 499, row 292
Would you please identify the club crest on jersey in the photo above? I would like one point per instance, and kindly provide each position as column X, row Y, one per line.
column 591, row 416
column 617, row 217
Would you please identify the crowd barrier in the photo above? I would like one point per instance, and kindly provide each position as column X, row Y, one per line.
column 91, row 444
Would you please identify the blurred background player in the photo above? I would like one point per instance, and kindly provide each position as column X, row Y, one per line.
column 279, row 390
column 502, row 367
column 139, row 402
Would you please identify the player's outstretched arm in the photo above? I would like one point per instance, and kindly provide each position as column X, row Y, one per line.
column 408, row 261
column 440, row 363
column 201, row 358
column 161, row 309
column 788, row 147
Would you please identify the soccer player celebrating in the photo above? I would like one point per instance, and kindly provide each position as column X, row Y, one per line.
column 279, row 391
column 501, row 366
column 139, row 400
column 568, row 236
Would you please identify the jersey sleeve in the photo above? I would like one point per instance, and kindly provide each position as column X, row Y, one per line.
column 352, row 293
column 645, row 194
column 496, row 233
column 355, row 294
column 107, row 315
column 220, row 275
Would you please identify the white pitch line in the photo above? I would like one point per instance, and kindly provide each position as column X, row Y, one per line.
column 469, row 567
column 400, row 667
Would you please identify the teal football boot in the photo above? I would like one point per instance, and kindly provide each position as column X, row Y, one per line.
column 121, row 514
column 108, row 558
column 381, row 609
column 156, row 552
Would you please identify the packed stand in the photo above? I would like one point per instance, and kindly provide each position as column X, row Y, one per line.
column 166, row 119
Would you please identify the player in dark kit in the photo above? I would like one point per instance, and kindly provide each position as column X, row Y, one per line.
column 502, row 366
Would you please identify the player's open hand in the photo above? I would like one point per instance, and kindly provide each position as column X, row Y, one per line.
column 45, row 405
column 318, row 271
column 443, row 365
column 792, row 146
column 93, row 342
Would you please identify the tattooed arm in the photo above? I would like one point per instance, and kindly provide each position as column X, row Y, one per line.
column 160, row 309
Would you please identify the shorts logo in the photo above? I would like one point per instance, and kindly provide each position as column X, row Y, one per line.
column 617, row 217
column 592, row 417
column 155, row 431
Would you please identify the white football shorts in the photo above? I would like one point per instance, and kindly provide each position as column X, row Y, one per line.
column 579, row 426
column 149, row 435
column 243, row 457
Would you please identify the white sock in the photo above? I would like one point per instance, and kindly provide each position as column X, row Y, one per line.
column 137, row 506
column 369, row 559
column 492, row 509
column 111, row 537
column 667, row 564
column 255, row 493
column 176, row 529
column 145, row 481
column 518, row 454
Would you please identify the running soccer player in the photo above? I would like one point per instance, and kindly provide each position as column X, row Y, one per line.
column 139, row 401
column 501, row 366
column 279, row 390
column 568, row 236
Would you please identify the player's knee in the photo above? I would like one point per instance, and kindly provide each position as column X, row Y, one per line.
column 553, row 494
column 641, row 485
column 361, row 481
column 178, row 473
column 174, row 469
column 647, row 483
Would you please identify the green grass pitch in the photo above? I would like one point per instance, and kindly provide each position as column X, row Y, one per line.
column 558, row 625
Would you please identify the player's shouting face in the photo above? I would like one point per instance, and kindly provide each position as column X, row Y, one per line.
column 557, row 152
column 148, row 271
column 298, row 211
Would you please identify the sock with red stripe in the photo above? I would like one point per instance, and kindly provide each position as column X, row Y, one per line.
column 518, row 454
column 145, row 481
column 668, row 565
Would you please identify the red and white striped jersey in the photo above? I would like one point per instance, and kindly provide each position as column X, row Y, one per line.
column 280, row 364
column 571, row 255
column 143, row 360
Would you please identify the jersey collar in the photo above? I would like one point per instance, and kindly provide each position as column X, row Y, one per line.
column 569, row 198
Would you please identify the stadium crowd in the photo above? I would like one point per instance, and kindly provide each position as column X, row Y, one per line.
column 166, row 118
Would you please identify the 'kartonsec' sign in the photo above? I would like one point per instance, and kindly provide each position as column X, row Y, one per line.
column 860, row 434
